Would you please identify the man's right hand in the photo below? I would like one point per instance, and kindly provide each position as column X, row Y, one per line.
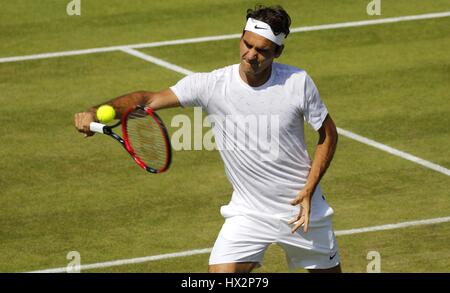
column 82, row 122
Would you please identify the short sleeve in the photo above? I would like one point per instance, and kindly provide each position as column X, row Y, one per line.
column 194, row 90
column 314, row 110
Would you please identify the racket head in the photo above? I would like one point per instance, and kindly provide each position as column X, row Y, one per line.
column 146, row 139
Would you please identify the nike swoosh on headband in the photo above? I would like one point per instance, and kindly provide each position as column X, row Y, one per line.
column 260, row 28
column 263, row 29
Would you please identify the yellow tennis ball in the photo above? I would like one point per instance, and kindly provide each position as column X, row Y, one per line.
column 105, row 113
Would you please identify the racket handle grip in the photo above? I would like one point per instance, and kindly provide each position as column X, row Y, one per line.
column 97, row 127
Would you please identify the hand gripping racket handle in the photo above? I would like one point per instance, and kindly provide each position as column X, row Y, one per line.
column 97, row 127
column 105, row 129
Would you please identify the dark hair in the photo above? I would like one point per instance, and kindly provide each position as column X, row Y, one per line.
column 275, row 16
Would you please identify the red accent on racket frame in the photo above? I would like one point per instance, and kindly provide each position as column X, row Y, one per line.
column 164, row 134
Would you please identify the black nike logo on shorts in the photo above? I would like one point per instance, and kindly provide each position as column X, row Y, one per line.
column 260, row 28
column 331, row 257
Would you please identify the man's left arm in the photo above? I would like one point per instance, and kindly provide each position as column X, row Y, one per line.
column 325, row 149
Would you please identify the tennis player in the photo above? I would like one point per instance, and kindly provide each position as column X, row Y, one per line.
column 276, row 194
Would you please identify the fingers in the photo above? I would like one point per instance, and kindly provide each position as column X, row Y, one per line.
column 303, row 199
column 297, row 225
column 306, row 224
column 297, row 200
column 302, row 219
column 294, row 220
column 88, row 134
column 79, row 123
column 82, row 123
column 87, row 129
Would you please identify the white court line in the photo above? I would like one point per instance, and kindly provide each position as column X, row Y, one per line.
column 394, row 152
column 370, row 22
column 157, row 61
column 341, row 131
column 208, row 250
column 393, row 226
column 122, row 262
column 224, row 37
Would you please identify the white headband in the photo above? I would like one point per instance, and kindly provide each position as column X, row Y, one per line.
column 264, row 30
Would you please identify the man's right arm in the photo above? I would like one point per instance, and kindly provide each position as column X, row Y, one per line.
column 154, row 100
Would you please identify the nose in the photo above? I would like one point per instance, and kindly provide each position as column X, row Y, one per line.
column 252, row 55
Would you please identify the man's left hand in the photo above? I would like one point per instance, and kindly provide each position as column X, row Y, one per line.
column 304, row 200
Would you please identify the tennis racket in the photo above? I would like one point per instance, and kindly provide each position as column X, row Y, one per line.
column 145, row 138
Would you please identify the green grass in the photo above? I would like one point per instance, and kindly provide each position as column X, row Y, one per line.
column 60, row 192
column 29, row 27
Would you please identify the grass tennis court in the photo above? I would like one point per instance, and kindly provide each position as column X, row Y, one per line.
column 60, row 192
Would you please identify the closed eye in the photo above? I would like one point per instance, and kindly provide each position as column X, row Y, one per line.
column 260, row 50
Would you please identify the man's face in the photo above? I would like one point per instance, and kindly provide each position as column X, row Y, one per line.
column 257, row 53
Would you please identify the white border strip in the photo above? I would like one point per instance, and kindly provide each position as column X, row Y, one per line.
column 393, row 151
column 223, row 37
column 208, row 250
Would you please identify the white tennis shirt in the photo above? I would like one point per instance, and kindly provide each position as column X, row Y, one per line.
column 260, row 137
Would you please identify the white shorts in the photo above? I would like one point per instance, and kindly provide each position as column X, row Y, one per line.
column 245, row 238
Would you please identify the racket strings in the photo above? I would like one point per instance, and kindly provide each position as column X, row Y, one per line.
column 146, row 139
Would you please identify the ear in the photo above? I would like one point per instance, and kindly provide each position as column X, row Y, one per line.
column 278, row 51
